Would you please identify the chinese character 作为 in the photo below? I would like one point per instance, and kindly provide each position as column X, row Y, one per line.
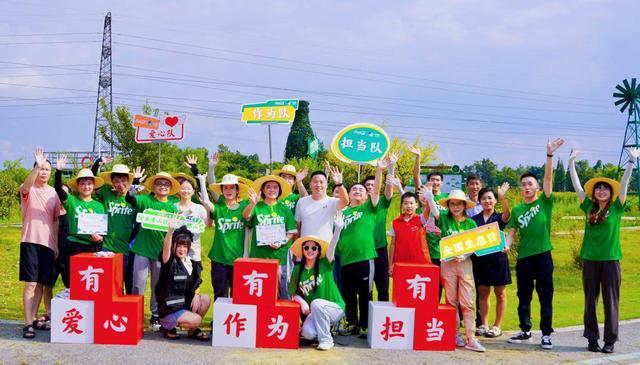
column 391, row 329
column 278, row 327
column 91, row 278
column 419, row 286
column 254, row 282
column 70, row 320
column 236, row 321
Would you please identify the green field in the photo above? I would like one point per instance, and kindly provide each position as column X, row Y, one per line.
column 568, row 299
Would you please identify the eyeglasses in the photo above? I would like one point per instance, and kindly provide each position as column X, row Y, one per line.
column 312, row 248
column 162, row 183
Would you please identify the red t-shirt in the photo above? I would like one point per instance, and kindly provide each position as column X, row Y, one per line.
column 411, row 243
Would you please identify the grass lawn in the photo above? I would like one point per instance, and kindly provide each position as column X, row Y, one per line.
column 568, row 299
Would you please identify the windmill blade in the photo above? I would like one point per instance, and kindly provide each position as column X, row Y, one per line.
column 624, row 106
column 626, row 83
column 621, row 89
column 620, row 102
column 633, row 84
column 619, row 95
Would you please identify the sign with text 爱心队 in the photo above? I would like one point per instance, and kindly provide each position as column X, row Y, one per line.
column 271, row 111
column 360, row 143
column 482, row 240
column 169, row 127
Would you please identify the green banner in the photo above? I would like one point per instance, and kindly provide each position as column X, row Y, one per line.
column 157, row 220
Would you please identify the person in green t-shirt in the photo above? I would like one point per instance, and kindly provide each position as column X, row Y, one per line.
column 357, row 251
column 603, row 202
column 76, row 205
column 534, row 266
column 148, row 243
column 273, row 225
column 229, row 238
column 292, row 177
column 457, row 273
column 313, row 286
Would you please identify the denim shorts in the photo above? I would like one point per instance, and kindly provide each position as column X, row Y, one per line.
column 170, row 321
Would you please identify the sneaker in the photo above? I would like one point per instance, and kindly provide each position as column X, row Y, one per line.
column 460, row 340
column 481, row 330
column 324, row 346
column 546, row 343
column 64, row 294
column 155, row 323
column 347, row 329
column 608, row 348
column 474, row 345
column 521, row 337
column 593, row 346
column 494, row 332
column 363, row 333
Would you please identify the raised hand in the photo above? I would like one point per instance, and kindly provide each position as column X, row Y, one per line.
column 392, row 180
column 214, row 159
column 254, row 198
column 415, row 150
column 383, row 163
column 61, row 163
column 338, row 221
column 40, row 157
column 502, row 190
column 106, row 160
column 300, row 175
column 174, row 223
column 634, row 153
column 573, row 155
column 336, row 175
column 191, row 160
column 393, row 158
column 202, row 177
column 138, row 173
column 552, row 146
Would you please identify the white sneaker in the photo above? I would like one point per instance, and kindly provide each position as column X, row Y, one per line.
column 64, row 294
column 474, row 345
column 546, row 343
column 460, row 340
column 324, row 346
column 481, row 330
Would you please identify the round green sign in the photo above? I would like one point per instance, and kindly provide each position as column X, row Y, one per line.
column 360, row 143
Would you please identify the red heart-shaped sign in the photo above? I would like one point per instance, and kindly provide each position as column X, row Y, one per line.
column 171, row 121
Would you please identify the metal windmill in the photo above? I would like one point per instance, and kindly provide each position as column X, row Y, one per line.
column 628, row 99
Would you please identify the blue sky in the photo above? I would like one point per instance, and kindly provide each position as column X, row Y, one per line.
column 477, row 78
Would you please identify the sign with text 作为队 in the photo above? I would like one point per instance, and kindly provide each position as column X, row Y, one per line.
column 360, row 143
column 157, row 129
column 482, row 240
column 271, row 111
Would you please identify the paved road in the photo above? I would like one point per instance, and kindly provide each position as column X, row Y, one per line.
column 569, row 346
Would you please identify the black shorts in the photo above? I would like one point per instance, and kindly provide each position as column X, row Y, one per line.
column 492, row 269
column 37, row 264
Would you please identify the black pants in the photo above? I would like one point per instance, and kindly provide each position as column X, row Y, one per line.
column 128, row 273
column 356, row 291
column 605, row 276
column 69, row 249
column 222, row 280
column 381, row 274
column 437, row 263
column 535, row 272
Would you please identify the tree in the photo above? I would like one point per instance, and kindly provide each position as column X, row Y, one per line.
column 486, row 169
column 559, row 177
column 236, row 163
column 299, row 133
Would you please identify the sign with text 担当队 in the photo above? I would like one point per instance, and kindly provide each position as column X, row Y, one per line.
column 271, row 111
column 169, row 127
column 360, row 143
column 482, row 240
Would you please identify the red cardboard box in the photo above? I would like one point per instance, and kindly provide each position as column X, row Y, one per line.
column 416, row 285
column 279, row 326
column 97, row 278
column 255, row 282
column 119, row 322
column 435, row 330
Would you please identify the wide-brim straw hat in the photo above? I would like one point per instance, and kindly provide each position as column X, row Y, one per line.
column 285, row 188
column 245, row 181
column 615, row 186
column 286, row 169
column 456, row 195
column 117, row 169
column 85, row 173
column 231, row 179
column 296, row 248
column 182, row 175
column 175, row 186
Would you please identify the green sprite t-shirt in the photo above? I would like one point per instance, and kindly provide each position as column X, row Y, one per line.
column 601, row 241
column 356, row 239
column 449, row 226
column 263, row 214
column 148, row 242
column 290, row 202
column 380, row 232
column 121, row 219
column 433, row 240
column 228, row 238
column 306, row 287
column 533, row 220
column 74, row 207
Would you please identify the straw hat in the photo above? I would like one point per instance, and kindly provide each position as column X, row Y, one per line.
column 117, row 169
column 97, row 181
column 182, row 175
column 296, row 248
column 456, row 195
column 244, row 180
column 286, row 169
column 175, row 186
column 615, row 186
column 285, row 188
column 230, row 179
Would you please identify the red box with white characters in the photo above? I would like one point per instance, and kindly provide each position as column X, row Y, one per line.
column 279, row 326
column 255, row 281
column 416, row 286
column 435, row 330
column 97, row 278
column 234, row 325
column 71, row 321
column 120, row 321
column 390, row 327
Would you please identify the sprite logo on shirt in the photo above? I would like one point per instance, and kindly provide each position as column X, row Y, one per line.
column 306, row 286
column 119, row 208
column 227, row 224
column 80, row 210
column 350, row 218
column 524, row 219
column 269, row 219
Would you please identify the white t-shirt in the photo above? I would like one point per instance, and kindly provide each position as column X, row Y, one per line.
column 316, row 216
column 194, row 210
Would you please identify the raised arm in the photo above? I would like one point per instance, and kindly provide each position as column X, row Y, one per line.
column 300, row 175
column 336, row 176
column 377, row 182
column 547, row 183
column 57, row 181
column 192, row 164
column 166, row 248
column 502, row 197
column 338, row 225
column 213, row 161
column 204, row 194
column 388, row 187
column 254, row 198
column 416, row 165
column 428, row 196
column 575, row 179
column 634, row 153
column 41, row 160
column 101, row 161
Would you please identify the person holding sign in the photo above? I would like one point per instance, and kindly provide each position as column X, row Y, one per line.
column 86, row 217
column 292, row 177
column 456, row 273
column 179, row 304
column 534, row 267
column 313, row 286
column 408, row 235
column 273, row 224
column 357, row 251
column 603, row 202
column 148, row 244
column 492, row 270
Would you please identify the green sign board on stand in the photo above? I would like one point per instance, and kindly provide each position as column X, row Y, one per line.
column 361, row 143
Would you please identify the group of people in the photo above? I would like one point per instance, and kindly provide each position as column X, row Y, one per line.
column 331, row 249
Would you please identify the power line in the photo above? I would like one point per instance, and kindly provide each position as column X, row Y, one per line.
column 48, row 34
column 44, row 42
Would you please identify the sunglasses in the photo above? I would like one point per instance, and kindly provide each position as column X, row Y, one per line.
column 162, row 184
column 312, row 248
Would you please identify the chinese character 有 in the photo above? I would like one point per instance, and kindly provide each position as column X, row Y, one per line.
column 254, row 282
column 419, row 286
column 91, row 278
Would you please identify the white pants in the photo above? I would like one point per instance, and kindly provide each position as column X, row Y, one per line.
column 141, row 267
column 318, row 323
